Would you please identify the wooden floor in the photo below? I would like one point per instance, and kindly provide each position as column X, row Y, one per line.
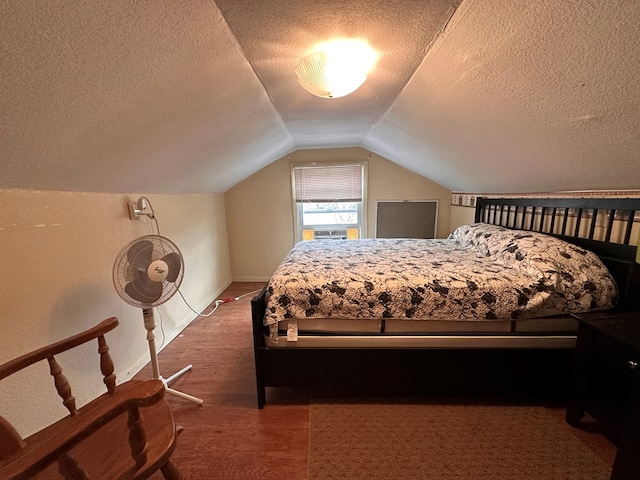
column 228, row 437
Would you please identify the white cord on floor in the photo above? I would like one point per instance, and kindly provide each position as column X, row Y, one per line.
column 217, row 302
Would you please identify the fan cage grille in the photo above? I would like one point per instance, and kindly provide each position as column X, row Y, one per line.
column 157, row 247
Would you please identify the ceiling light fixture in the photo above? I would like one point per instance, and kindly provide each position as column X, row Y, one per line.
column 337, row 68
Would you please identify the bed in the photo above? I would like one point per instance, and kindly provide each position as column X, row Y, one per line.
column 488, row 308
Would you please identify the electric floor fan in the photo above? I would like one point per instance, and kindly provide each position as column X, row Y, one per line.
column 146, row 273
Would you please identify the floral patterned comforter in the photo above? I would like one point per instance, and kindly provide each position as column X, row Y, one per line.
column 481, row 272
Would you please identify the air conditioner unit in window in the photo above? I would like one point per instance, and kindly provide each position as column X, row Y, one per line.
column 350, row 233
column 329, row 234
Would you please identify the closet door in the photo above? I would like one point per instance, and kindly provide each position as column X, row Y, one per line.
column 406, row 218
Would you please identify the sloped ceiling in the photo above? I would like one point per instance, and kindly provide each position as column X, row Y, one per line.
column 196, row 95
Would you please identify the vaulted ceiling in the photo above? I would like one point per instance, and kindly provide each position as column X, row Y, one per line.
column 191, row 96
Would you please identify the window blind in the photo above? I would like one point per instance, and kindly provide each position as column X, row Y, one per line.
column 328, row 183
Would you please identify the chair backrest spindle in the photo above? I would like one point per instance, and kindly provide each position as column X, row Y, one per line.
column 106, row 365
column 62, row 386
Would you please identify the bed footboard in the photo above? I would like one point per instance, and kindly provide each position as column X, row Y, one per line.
column 258, row 308
column 409, row 370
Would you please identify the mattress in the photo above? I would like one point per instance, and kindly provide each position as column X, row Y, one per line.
column 481, row 273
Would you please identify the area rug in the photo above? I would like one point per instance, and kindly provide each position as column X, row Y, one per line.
column 356, row 439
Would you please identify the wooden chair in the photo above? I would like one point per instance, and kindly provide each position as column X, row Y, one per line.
column 126, row 433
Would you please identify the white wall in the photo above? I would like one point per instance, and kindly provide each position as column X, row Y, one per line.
column 260, row 211
column 58, row 250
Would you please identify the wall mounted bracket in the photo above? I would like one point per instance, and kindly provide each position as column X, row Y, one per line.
column 136, row 209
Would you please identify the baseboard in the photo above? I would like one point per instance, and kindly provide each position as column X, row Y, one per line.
column 251, row 279
column 172, row 334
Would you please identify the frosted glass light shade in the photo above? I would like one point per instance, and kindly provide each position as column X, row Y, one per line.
column 329, row 77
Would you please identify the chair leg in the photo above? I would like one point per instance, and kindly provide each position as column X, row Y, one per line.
column 137, row 437
column 69, row 468
column 171, row 472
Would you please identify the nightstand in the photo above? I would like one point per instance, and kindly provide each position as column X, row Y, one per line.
column 606, row 383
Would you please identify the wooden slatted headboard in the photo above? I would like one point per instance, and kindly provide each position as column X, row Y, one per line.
column 607, row 226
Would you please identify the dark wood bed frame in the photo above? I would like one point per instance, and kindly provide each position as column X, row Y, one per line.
column 603, row 226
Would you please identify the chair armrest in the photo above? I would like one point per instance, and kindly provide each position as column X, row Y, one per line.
column 50, row 443
column 19, row 363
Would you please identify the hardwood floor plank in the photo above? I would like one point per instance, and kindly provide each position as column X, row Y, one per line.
column 228, row 437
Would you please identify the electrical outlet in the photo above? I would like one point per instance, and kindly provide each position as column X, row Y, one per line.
column 134, row 213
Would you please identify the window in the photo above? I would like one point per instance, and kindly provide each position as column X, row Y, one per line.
column 329, row 200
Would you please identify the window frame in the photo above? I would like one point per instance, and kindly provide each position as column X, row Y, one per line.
column 361, row 206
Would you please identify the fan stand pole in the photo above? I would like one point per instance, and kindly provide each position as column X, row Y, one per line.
column 150, row 325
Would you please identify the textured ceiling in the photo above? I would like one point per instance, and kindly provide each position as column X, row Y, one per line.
column 195, row 95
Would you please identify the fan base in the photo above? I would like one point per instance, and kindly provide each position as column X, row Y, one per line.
column 177, row 393
column 150, row 325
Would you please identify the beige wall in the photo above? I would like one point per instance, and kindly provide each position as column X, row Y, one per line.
column 461, row 216
column 260, row 212
column 58, row 250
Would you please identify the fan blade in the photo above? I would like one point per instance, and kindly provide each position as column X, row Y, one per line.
column 145, row 292
column 173, row 262
column 140, row 255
